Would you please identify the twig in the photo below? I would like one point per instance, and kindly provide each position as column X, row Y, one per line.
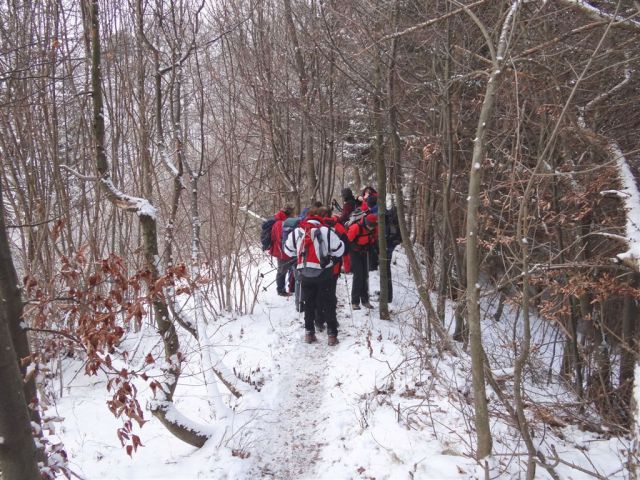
column 557, row 460
column 75, row 173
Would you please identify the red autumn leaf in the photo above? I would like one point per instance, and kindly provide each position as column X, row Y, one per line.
column 136, row 442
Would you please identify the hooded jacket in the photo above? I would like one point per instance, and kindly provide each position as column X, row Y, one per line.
column 276, row 237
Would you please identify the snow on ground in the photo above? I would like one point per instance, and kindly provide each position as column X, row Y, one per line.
column 378, row 406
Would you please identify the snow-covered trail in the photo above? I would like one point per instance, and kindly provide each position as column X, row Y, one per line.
column 292, row 433
column 364, row 409
column 291, row 447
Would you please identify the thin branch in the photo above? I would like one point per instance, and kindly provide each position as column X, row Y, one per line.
column 482, row 28
column 428, row 23
column 75, row 173
column 559, row 38
column 31, row 225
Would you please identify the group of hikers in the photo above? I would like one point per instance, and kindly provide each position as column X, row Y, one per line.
column 313, row 248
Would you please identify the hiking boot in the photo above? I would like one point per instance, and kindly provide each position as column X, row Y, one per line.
column 332, row 340
column 367, row 305
column 310, row 338
column 355, row 306
column 284, row 294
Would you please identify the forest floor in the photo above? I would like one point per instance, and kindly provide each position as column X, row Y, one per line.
column 379, row 405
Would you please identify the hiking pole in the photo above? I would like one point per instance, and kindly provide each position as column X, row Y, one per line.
column 287, row 265
column 264, row 289
column 262, row 274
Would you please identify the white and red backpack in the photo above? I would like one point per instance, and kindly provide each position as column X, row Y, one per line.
column 316, row 247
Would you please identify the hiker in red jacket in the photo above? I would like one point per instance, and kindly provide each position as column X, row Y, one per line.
column 285, row 263
column 362, row 236
column 341, row 231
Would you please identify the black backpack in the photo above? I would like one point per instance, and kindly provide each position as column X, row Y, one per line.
column 392, row 228
column 265, row 233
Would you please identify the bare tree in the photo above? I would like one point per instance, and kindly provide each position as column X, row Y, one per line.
column 18, row 454
column 163, row 408
column 498, row 54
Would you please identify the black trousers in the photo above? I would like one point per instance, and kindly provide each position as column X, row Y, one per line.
column 360, row 269
column 284, row 267
column 389, row 282
column 320, row 297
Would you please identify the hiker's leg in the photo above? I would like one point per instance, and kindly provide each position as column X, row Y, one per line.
column 373, row 258
column 329, row 300
column 281, row 275
column 364, row 292
column 357, row 268
column 309, row 292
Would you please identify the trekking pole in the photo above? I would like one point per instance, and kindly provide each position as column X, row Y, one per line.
column 264, row 289
column 262, row 274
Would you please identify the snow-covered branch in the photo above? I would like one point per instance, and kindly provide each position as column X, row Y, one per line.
column 632, row 207
column 599, row 14
column 140, row 206
column 603, row 96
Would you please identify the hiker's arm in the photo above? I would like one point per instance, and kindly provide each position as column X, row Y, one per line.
column 352, row 233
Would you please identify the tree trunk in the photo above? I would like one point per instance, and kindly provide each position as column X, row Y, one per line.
column 18, row 454
column 473, row 274
column 305, row 105
column 381, row 173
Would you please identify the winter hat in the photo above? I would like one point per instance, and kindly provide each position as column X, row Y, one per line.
column 346, row 193
column 371, row 220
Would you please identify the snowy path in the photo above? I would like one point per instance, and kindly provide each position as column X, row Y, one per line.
column 293, row 432
column 291, row 446
column 365, row 409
